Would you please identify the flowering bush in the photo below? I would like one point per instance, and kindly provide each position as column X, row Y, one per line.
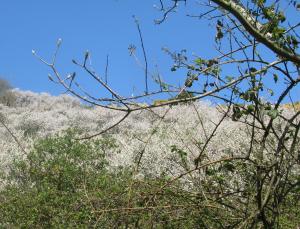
column 145, row 155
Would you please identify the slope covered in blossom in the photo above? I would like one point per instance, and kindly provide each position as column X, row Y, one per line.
column 145, row 133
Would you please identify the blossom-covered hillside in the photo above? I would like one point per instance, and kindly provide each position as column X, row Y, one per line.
column 146, row 132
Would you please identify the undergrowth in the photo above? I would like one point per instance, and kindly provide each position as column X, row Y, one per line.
column 64, row 183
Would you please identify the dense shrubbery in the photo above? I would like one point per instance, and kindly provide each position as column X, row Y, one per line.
column 51, row 186
column 66, row 183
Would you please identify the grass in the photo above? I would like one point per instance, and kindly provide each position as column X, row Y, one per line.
column 295, row 106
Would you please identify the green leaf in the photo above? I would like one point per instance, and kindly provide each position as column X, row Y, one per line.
column 275, row 77
column 229, row 78
column 228, row 166
column 273, row 113
column 250, row 108
column 237, row 114
column 174, row 68
column 199, row 61
column 271, row 92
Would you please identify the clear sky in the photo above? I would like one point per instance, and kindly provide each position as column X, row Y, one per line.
column 104, row 28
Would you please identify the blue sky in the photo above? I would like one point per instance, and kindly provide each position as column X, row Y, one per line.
column 104, row 28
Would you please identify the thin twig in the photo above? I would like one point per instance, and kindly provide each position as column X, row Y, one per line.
column 144, row 53
column 12, row 134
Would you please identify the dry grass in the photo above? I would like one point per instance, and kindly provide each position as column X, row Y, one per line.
column 295, row 106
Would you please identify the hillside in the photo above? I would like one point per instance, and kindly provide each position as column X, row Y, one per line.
column 151, row 154
column 39, row 115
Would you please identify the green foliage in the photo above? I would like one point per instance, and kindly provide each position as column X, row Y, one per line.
column 66, row 183
column 185, row 95
column 160, row 102
column 182, row 156
column 289, row 219
column 47, row 188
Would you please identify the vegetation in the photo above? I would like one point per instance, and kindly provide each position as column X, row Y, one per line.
column 293, row 106
column 236, row 165
column 66, row 183
column 7, row 97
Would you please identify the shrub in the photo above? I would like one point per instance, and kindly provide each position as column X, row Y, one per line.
column 30, row 128
column 4, row 86
column 46, row 188
column 7, row 97
column 67, row 183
